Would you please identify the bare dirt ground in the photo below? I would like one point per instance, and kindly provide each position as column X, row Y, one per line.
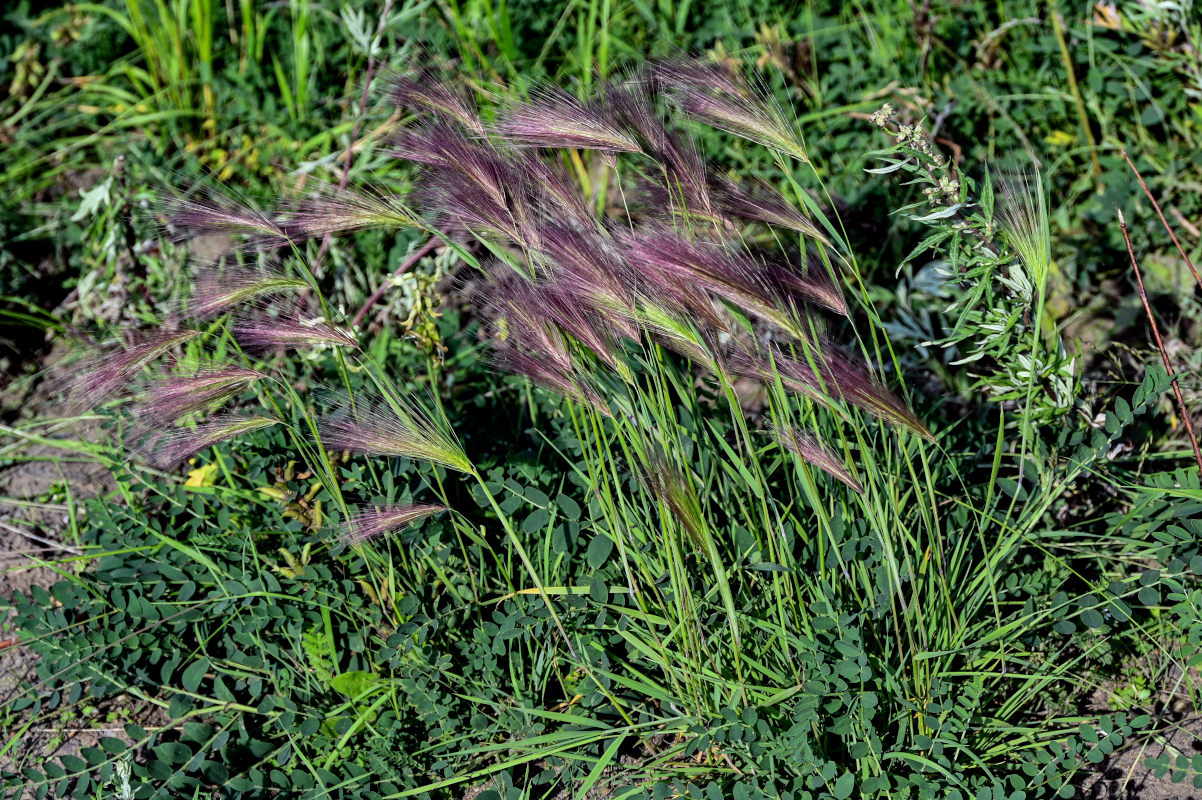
column 1124, row 777
column 35, row 545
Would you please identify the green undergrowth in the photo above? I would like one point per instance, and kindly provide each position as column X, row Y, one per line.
column 944, row 646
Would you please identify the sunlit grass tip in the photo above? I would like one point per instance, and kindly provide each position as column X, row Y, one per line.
column 391, row 425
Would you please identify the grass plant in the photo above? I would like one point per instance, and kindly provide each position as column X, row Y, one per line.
column 682, row 486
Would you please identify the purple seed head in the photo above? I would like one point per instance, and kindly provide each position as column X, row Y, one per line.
column 683, row 267
column 459, row 204
column 555, row 119
column 445, row 149
column 391, row 426
column 566, row 382
column 188, row 218
column 633, row 106
column 759, row 201
column 719, row 77
column 669, row 485
column 331, row 211
column 587, row 263
column 722, row 99
column 375, row 522
column 808, row 449
column 426, row 91
column 262, row 334
column 813, row 285
column 169, row 448
column 217, row 291
column 109, row 372
column 170, row 398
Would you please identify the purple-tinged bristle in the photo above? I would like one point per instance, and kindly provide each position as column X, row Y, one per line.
column 217, row 291
column 461, row 204
column 262, row 333
column 425, row 91
column 566, row 382
column 759, row 201
column 634, row 107
column 550, row 191
column 684, row 177
column 445, row 149
column 814, row 286
column 390, row 426
column 168, row 399
column 172, row 447
column 586, row 263
column 515, row 306
column 375, row 522
column 188, row 218
column 111, row 371
column 864, row 390
column 720, row 98
column 721, row 269
column 333, row 211
column 809, row 450
column 555, row 119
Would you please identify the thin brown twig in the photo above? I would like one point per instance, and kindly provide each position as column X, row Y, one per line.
column 1160, row 214
column 41, row 539
column 349, row 157
column 1168, row 366
column 405, row 266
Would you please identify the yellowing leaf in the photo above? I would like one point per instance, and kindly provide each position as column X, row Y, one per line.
column 202, row 476
column 1060, row 139
column 1105, row 15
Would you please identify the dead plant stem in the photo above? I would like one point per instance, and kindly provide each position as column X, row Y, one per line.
column 1163, row 221
column 1168, row 366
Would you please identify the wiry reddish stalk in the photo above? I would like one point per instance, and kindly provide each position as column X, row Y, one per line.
column 349, row 157
column 1164, row 356
column 1163, row 221
column 405, row 266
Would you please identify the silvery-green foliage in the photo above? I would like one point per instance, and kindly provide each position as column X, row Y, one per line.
column 980, row 296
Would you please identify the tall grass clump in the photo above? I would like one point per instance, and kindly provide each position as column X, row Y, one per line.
column 741, row 561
